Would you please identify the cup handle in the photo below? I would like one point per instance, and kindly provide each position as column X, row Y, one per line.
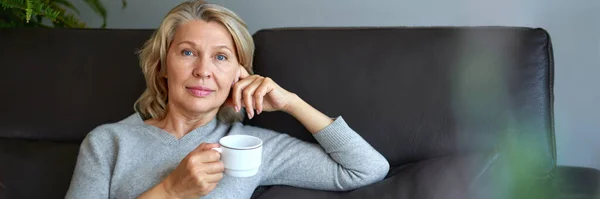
column 220, row 150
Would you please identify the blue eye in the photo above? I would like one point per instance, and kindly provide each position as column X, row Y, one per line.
column 221, row 57
column 187, row 53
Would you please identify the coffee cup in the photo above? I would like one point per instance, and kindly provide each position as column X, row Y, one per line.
column 241, row 155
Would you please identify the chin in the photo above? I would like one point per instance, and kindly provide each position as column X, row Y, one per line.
column 202, row 107
column 199, row 108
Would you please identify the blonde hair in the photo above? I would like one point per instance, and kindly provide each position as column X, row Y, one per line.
column 153, row 102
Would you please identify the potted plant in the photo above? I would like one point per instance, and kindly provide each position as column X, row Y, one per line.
column 46, row 13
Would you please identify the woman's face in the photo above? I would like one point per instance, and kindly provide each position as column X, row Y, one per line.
column 201, row 67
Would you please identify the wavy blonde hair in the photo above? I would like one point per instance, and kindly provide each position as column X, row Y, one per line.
column 153, row 102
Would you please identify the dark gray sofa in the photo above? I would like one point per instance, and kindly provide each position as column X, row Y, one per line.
column 459, row 112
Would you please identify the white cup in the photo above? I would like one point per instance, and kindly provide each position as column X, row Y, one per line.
column 241, row 155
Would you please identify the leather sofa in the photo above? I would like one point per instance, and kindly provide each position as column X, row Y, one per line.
column 459, row 112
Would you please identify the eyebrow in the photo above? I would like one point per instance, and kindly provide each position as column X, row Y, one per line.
column 223, row 47
column 220, row 46
column 186, row 42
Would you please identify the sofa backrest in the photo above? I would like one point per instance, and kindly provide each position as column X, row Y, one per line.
column 57, row 85
column 60, row 83
column 413, row 93
column 420, row 93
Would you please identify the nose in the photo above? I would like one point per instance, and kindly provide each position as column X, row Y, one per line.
column 202, row 68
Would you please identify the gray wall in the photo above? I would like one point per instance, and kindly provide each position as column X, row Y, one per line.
column 573, row 25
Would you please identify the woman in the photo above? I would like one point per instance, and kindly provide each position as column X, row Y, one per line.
column 198, row 69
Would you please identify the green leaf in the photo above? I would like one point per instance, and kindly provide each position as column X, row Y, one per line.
column 67, row 4
column 51, row 13
column 28, row 10
column 31, row 13
column 10, row 4
column 70, row 21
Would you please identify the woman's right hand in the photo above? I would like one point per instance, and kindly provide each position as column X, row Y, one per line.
column 197, row 174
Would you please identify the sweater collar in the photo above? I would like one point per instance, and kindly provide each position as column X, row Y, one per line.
column 195, row 134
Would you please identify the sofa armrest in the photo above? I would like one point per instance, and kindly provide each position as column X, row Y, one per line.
column 576, row 183
column 3, row 191
column 450, row 177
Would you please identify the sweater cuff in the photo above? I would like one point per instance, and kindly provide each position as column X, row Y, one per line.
column 336, row 135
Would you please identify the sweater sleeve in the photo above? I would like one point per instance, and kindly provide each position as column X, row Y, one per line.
column 91, row 177
column 342, row 161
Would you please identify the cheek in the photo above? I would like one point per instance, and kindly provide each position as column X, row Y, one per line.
column 225, row 82
column 177, row 70
column 225, row 73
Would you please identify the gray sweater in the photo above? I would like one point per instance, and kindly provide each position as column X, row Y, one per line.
column 127, row 158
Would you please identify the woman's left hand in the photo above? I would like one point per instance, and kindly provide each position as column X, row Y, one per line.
column 255, row 92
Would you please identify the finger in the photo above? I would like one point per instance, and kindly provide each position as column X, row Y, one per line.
column 264, row 88
column 213, row 178
column 243, row 73
column 213, row 167
column 209, row 188
column 248, row 93
column 236, row 78
column 237, row 92
column 238, row 75
column 207, row 146
column 207, row 156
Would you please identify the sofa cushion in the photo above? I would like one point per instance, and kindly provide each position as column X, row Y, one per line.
column 577, row 183
column 419, row 93
column 58, row 84
column 479, row 175
column 3, row 192
column 36, row 169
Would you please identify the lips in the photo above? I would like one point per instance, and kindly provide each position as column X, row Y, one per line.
column 200, row 91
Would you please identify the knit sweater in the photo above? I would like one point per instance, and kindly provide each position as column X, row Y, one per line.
column 126, row 158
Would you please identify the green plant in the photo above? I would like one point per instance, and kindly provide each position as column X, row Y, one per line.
column 41, row 13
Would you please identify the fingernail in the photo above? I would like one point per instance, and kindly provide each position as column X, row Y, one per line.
column 259, row 111
column 237, row 109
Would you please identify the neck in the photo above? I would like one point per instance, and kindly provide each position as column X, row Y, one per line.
column 179, row 123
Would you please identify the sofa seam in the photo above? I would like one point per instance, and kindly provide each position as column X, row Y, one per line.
column 376, row 28
column 549, row 52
